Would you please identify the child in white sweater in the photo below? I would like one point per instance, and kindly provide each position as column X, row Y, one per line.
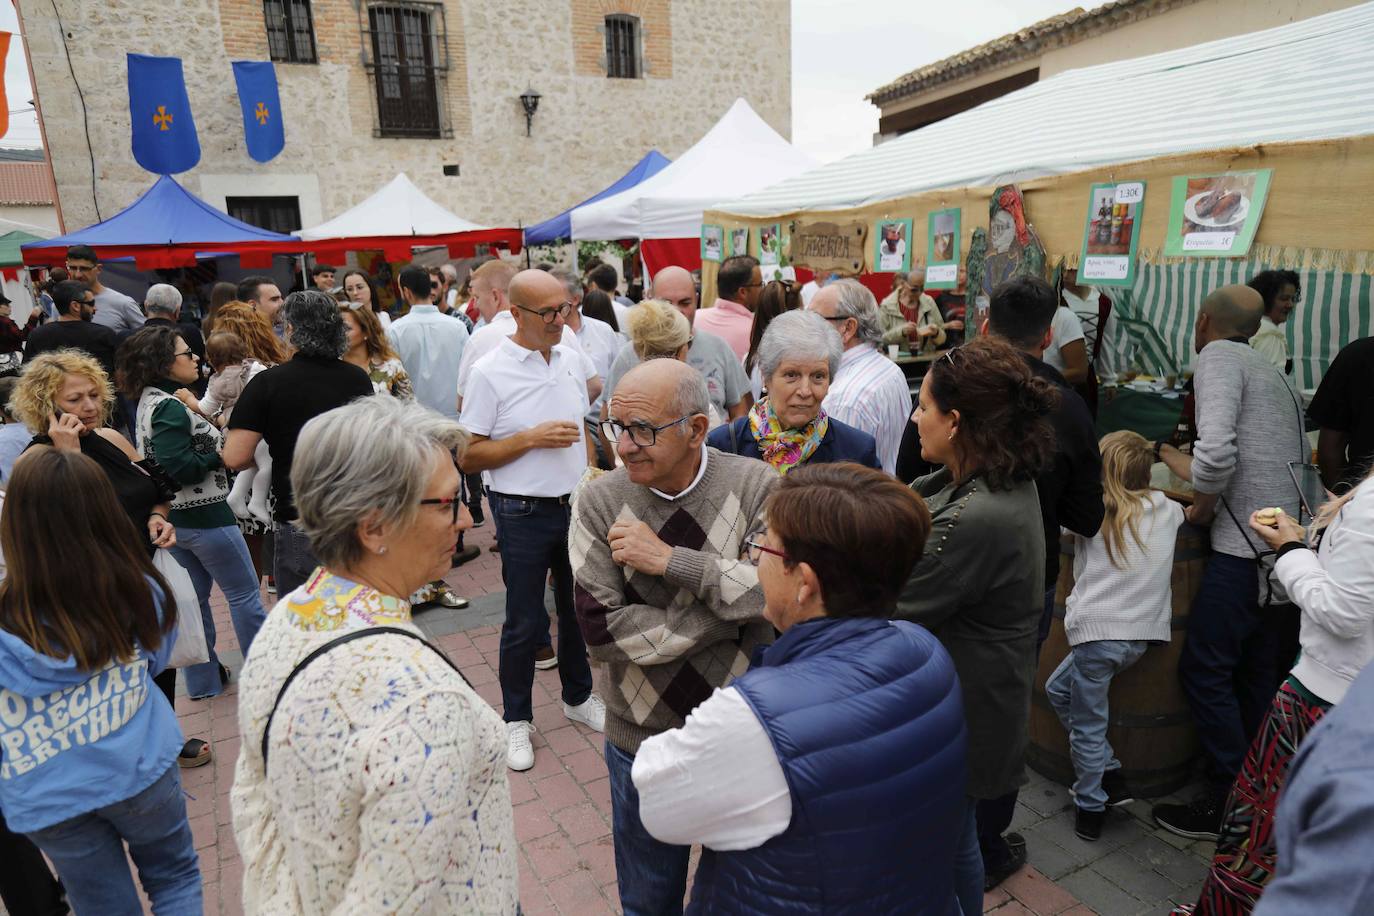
column 228, row 356
column 1121, row 602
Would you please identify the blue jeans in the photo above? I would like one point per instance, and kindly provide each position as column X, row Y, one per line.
column 218, row 556
column 88, row 851
column 968, row 864
column 293, row 560
column 1229, row 667
column 1078, row 692
column 534, row 542
column 652, row 875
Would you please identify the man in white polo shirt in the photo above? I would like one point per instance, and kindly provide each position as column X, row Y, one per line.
column 524, row 405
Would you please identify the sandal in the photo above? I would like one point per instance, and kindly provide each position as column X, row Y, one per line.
column 194, row 753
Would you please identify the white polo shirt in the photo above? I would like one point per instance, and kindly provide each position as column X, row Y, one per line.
column 489, row 336
column 512, row 389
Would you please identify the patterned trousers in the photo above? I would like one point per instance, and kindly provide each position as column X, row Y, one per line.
column 1246, row 854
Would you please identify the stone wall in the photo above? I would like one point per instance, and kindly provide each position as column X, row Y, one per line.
column 701, row 55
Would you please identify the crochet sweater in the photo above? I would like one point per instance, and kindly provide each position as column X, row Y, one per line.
column 668, row 641
column 386, row 790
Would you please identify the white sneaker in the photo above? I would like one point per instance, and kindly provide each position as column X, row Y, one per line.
column 591, row 712
column 519, row 751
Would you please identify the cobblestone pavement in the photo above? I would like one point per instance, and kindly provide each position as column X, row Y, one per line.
column 563, row 805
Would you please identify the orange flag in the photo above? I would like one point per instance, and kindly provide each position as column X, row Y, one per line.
column 4, row 97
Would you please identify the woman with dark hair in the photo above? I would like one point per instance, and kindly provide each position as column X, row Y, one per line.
column 360, row 290
column 1282, row 291
column 776, row 297
column 596, row 304
column 153, row 364
column 90, row 759
column 222, row 293
column 370, row 350
column 840, row 744
column 984, row 418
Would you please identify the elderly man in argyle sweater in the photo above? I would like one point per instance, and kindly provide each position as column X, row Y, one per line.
column 665, row 601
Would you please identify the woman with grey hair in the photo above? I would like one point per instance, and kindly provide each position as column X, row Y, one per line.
column 787, row 427
column 372, row 777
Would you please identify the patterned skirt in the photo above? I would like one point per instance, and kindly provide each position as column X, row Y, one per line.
column 1246, row 853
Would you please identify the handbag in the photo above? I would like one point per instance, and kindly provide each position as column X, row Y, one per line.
column 190, row 647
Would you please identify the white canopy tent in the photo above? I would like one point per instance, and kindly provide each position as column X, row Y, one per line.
column 399, row 208
column 1302, row 81
column 737, row 156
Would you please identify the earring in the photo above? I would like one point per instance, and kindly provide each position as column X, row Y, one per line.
column 381, row 551
column 951, row 436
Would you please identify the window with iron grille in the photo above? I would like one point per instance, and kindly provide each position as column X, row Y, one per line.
column 275, row 214
column 407, row 51
column 622, row 47
column 290, row 31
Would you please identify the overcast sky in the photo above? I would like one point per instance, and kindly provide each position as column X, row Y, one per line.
column 840, row 53
column 843, row 51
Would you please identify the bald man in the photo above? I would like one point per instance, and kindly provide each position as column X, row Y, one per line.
column 525, row 404
column 669, row 611
column 726, row 383
column 1241, row 633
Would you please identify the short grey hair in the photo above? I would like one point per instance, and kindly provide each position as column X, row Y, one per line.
column 375, row 454
column 857, row 302
column 571, row 281
column 691, row 396
column 163, row 298
column 799, row 334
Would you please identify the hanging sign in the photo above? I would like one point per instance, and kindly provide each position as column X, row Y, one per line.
column 892, row 245
column 712, row 243
column 830, row 247
column 1216, row 215
column 1112, row 233
column 942, row 248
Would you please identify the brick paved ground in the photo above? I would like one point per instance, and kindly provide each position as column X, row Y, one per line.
column 562, row 806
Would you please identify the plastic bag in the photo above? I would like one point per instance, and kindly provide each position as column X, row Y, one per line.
column 189, row 648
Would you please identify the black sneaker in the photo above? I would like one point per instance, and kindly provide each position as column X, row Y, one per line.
column 466, row 555
column 1199, row 820
column 1115, row 787
column 1016, row 846
column 1088, row 824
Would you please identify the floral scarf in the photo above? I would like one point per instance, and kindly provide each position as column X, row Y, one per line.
column 785, row 449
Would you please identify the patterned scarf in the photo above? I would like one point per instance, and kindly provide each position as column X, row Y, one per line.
column 785, row 449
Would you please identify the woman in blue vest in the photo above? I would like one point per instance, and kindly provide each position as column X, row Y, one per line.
column 787, row 428
column 819, row 781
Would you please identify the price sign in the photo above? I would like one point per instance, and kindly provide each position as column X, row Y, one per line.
column 1209, row 241
column 942, row 273
column 1132, row 192
column 1096, row 267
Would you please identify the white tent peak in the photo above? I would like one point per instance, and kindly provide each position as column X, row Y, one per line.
column 397, row 209
column 739, row 155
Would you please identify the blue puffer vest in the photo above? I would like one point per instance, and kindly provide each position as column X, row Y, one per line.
column 867, row 721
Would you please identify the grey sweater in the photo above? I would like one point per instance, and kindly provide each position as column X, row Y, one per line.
column 1325, row 824
column 1249, row 426
column 668, row 641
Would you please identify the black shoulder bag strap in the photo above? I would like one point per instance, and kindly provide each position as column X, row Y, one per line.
column 334, row 643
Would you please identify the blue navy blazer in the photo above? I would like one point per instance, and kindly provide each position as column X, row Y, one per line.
column 841, row 443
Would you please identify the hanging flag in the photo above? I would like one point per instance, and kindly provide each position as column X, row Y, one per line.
column 262, row 126
column 4, row 97
column 164, row 133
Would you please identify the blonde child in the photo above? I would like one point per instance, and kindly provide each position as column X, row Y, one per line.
column 228, row 356
column 1121, row 602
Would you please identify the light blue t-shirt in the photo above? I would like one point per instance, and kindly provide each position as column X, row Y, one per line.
column 72, row 741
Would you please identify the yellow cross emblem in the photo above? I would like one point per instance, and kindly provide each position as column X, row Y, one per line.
column 162, row 119
column 261, row 114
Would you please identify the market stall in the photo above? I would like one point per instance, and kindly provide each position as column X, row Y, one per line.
column 1266, row 115
column 558, row 228
column 737, row 156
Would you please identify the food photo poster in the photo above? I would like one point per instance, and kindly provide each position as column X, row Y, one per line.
column 892, row 251
column 1111, row 233
column 942, row 249
column 1216, row 215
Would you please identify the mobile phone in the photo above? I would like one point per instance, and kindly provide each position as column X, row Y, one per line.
column 1311, row 491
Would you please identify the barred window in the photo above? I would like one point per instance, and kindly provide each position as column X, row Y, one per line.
column 409, row 69
column 290, row 31
column 275, row 214
column 622, row 47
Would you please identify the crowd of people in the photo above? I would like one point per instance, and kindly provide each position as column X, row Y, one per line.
column 817, row 603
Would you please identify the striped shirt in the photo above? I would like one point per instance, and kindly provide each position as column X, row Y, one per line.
column 871, row 393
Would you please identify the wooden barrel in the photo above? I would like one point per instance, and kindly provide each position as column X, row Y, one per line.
column 1149, row 727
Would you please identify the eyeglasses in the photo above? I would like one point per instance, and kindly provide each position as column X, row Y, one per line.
column 181, row 353
column 949, row 355
column 454, row 501
column 641, row 434
column 836, row 317
column 563, row 311
column 754, row 549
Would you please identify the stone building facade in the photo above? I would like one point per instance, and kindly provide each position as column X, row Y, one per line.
column 687, row 60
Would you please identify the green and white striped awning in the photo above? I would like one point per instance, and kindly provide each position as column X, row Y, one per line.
column 1156, row 316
